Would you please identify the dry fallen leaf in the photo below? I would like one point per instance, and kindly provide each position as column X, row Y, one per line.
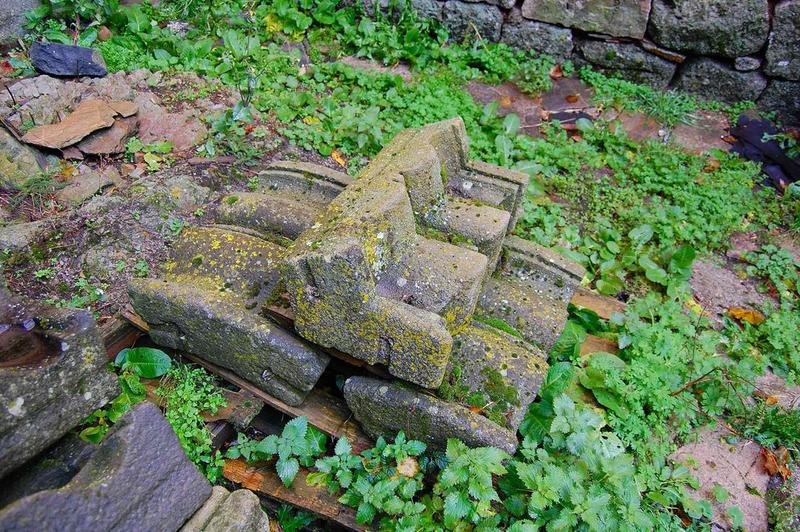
column 768, row 399
column 408, row 467
column 339, row 158
column 505, row 101
column 712, row 165
column 753, row 317
column 556, row 72
column 572, row 98
column 5, row 68
column 774, row 465
column 730, row 139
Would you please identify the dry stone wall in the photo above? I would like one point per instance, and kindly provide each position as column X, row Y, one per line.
column 715, row 49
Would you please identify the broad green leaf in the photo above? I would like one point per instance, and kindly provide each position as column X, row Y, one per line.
column 511, row 124
column 146, row 362
column 641, row 235
column 569, row 343
column 287, row 470
column 342, row 446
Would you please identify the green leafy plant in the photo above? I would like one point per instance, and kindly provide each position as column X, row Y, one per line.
column 187, row 392
column 146, row 362
column 298, row 444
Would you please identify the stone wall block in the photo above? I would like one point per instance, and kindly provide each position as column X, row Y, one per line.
column 620, row 18
column 463, row 19
column 783, row 51
column 712, row 27
column 629, row 61
column 709, row 78
column 523, row 34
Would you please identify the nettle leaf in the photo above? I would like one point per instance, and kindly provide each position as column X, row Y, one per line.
column 342, row 446
column 295, row 429
column 456, row 506
column 146, row 362
column 287, row 470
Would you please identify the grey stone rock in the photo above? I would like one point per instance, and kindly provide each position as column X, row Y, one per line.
column 52, row 375
column 51, row 469
column 620, row 18
column 463, row 19
column 783, row 51
column 83, row 186
column 138, row 479
column 12, row 18
column 16, row 237
column 628, row 61
column 714, row 27
column 384, row 409
column 747, row 63
column 711, row 79
column 224, row 511
column 523, row 34
column 783, row 97
column 66, row 60
column 423, row 8
column 18, row 162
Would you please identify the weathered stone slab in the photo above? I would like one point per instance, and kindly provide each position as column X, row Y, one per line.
column 282, row 214
column 523, row 34
column 90, row 116
column 384, row 408
column 16, row 237
column 112, row 140
column 486, row 359
column 138, row 479
column 783, row 51
column 620, row 18
column 713, row 27
column 473, row 224
column 65, row 60
column 629, row 62
column 18, row 162
column 208, row 304
column 713, row 80
column 52, row 375
column 229, row 512
column 463, row 20
column 545, row 271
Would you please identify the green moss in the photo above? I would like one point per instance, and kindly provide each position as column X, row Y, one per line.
column 499, row 324
column 230, row 200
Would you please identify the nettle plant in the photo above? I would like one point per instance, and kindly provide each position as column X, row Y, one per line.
column 299, row 444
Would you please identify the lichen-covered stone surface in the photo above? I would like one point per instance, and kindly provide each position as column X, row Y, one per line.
column 710, row 27
column 385, row 408
column 628, row 61
column 208, row 305
column 138, row 479
column 783, row 51
column 713, row 79
column 620, row 18
column 524, row 34
column 53, row 374
column 224, row 511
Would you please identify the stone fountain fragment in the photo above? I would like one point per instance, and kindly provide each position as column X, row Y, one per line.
column 53, row 374
column 411, row 266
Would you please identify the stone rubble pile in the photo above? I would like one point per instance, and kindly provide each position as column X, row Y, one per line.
column 410, row 267
column 53, row 374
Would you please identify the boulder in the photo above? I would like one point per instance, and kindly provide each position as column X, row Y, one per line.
column 183, row 129
column 12, row 19
column 18, row 162
column 112, row 140
column 710, row 27
column 783, row 97
column 523, row 34
column 384, row 408
column 224, row 511
column 620, row 18
column 464, row 19
column 138, row 479
column 53, row 374
column 714, row 80
column 66, row 60
column 628, row 61
column 783, row 51
column 17, row 237
column 85, row 184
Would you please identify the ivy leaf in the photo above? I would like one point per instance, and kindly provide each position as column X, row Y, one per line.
column 287, row 470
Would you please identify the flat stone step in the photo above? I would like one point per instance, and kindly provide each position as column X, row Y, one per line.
column 281, row 212
column 473, row 223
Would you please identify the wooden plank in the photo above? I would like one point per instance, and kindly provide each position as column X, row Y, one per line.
column 118, row 334
column 315, row 499
column 602, row 305
column 325, row 411
column 593, row 344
